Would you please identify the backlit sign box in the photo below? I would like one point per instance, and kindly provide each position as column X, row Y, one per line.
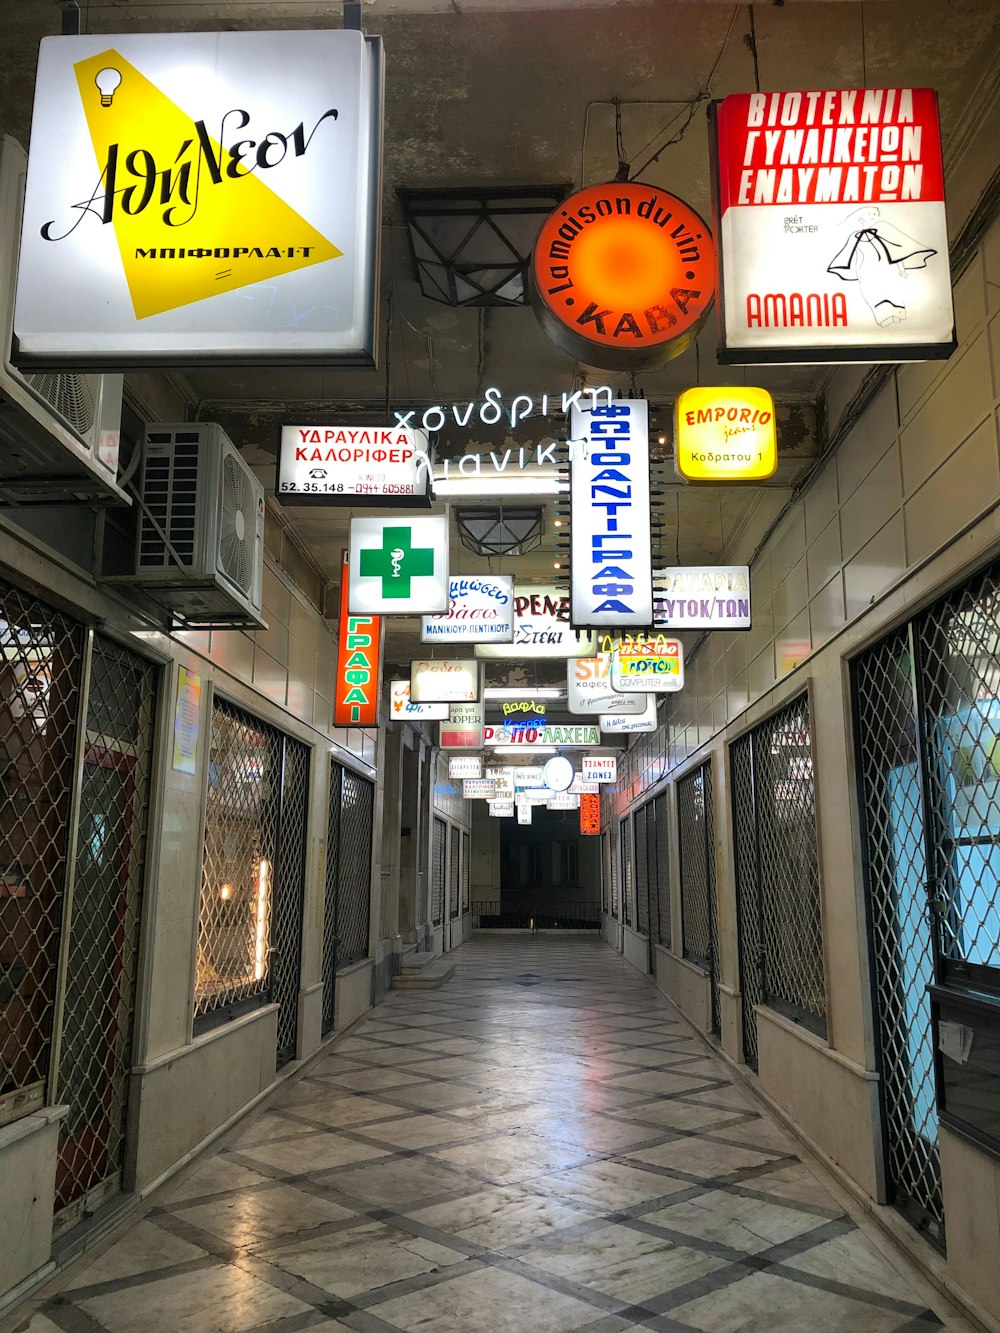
column 444, row 680
column 615, row 725
column 480, row 610
column 465, row 766
column 725, row 435
column 181, row 208
column 398, row 566
column 654, row 665
column 588, row 688
column 526, row 737
column 464, row 728
column 478, row 789
column 402, row 708
column 358, row 681
column 590, row 815
column 702, row 597
column 833, row 242
column 541, row 626
column 352, row 465
column 599, row 768
column 610, row 538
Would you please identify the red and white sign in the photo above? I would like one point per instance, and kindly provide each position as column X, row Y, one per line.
column 833, row 244
column 599, row 768
column 352, row 465
column 590, row 815
column 464, row 728
column 359, row 664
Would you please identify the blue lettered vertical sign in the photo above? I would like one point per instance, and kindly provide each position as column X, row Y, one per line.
column 611, row 571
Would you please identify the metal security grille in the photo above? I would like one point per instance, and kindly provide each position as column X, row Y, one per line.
column 697, row 869
column 605, row 872
column 626, row 880
column 641, row 871
column 465, row 872
column 241, row 841
column 662, row 870
column 899, row 921
column 289, row 891
column 438, row 872
column 41, row 667
column 330, row 937
column 95, row 1051
column 454, row 872
column 652, row 872
column 777, row 873
column 354, row 879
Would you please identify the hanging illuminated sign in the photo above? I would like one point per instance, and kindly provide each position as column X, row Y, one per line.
column 623, row 276
column 599, row 768
column 359, row 665
column 480, row 609
column 527, row 737
column 501, row 809
column 478, row 789
column 725, row 435
column 524, row 812
column 524, row 710
column 465, row 766
column 590, row 815
column 654, row 664
column 541, row 627
column 464, row 728
column 610, row 541
column 562, row 800
column 702, row 597
column 179, row 207
column 352, row 465
column 446, row 680
column 403, row 709
column 614, row 725
column 833, row 242
column 588, row 688
column 398, row 566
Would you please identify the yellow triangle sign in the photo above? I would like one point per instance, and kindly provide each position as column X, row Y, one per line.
column 190, row 220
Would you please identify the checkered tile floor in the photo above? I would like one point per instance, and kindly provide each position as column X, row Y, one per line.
column 540, row 1146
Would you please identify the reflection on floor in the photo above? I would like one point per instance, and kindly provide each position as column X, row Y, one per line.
column 540, row 1146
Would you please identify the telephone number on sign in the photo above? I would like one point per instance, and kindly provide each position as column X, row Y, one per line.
column 338, row 487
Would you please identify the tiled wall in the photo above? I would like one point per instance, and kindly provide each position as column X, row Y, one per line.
column 919, row 467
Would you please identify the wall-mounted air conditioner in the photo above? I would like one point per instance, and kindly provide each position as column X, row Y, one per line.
column 59, row 433
column 199, row 548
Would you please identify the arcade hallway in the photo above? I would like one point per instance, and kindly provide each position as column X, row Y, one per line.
column 542, row 1145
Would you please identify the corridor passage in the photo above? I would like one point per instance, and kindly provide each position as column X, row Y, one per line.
column 542, row 1145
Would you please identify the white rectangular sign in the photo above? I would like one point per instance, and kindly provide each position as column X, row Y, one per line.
column 480, row 610
column 526, row 737
column 200, row 197
column 402, row 708
column 474, row 789
column 465, row 766
column 524, row 812
column 610, row 546
column 701, row 597
column 588, row 688
column 445, row 680
column 651, row 663
column 599, row 768
column 833, row 243
column 464, row 728
column 615, row 725
column 541, row 626
column 563, row 800
column 501, row 809
column 578, row 787
column 352, row 465
column 398, row 566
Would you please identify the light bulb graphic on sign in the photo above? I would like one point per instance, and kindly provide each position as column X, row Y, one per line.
column 108, row 81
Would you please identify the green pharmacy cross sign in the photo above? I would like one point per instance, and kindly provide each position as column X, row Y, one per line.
column 398, row 567
column 397, row 561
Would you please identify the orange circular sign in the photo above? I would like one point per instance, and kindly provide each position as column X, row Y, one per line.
column 623, row 275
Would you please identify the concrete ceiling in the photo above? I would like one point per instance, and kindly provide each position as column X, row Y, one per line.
column 521, row 92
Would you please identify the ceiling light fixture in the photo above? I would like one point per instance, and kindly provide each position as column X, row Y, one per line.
column 517, row 692
column 473, row 247
column 499, row 530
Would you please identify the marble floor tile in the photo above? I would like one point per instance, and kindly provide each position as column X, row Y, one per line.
column 700, row 1157
column 417, row 1131
column 489, row 1300
column 362, row 1259
column 748, row 1225
column 628, row 1264
column 223, row 1299
column 398, row 1181
column 250, row 1216
column 500, row 1216
column 507, row 1157
column 210, row 1175
column 144, row 1248
column 607, row 1186
column 311, row 1151
column 346, row 1112
column 676, row 1113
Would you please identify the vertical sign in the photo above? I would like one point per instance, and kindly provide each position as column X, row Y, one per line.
column 833, row 243
column 359, row 664
column 590, row 814
column 611, row 575
column 187, row 717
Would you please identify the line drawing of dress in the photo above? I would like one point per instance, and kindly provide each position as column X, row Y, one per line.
column 877, row 255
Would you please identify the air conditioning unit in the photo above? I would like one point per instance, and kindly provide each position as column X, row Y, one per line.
column 199, row 548
column 59, row 433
